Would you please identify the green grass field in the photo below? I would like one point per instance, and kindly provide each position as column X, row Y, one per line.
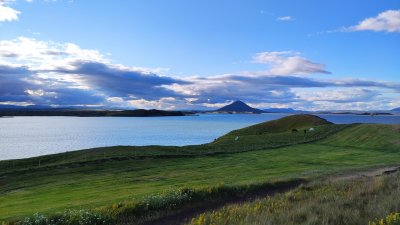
column 102, row 177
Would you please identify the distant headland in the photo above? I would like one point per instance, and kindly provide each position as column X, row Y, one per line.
column 90, row 113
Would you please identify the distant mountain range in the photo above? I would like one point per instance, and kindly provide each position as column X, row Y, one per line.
column 29, row 107
column 38, row 110
column 89, row 113
column 45, row 107
column 396, row 110
column 241, row 107
column 235, row 107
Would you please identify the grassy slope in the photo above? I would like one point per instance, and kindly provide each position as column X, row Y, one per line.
column 282, row 125
column 359, row 201
column 68, row 185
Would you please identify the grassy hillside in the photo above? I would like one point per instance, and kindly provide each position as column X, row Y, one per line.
column 284, row 124
column 359, row 201
column 107, row 176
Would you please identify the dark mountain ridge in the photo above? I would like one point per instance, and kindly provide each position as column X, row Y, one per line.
column 239, row 107
column 396, row 110
column 89, row 113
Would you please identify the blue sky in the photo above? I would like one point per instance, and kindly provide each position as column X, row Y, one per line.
column 199, row 54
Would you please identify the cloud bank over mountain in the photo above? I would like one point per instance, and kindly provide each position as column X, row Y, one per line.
column 34, row 72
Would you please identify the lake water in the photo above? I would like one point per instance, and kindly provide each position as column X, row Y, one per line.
column 22, row 137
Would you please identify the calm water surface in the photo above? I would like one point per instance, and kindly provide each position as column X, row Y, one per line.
column 22, row 137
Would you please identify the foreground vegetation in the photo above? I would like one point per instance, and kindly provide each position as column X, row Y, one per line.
column 153, row 206
column 120, row 183
column 363, row 201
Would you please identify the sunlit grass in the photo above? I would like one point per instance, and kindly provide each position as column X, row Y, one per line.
column 359, row 201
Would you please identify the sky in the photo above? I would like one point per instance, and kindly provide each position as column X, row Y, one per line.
column 187, row 54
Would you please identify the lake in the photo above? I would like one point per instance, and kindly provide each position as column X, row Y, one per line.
column 22, row 137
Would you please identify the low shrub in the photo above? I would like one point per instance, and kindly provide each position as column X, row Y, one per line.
column 69, row 217
column 391, row 219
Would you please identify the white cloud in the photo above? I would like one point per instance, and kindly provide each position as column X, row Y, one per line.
column 285, row 18
column 49, row 73
column 337, row 95
column 40, row 93
column 388, row 21
column 380, row 104
column 288, row 63
column 64, row 74
column 167, row 103
column 46, row 55
column 17, row 103
column 7, row 13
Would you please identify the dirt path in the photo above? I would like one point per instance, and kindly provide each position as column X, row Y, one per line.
column 186, row 215
column 368, row 173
